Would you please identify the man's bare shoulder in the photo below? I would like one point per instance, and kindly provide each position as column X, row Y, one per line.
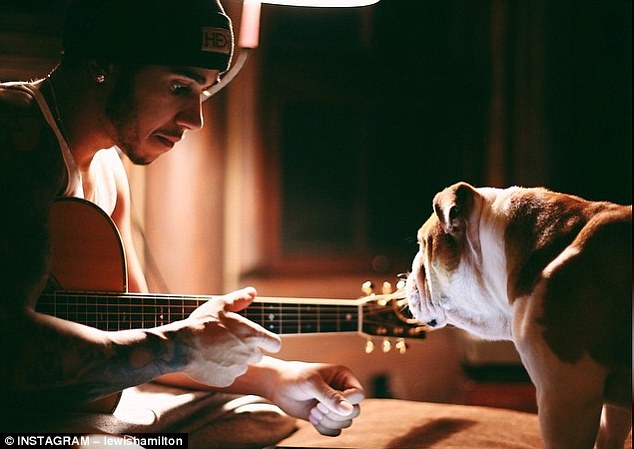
column 31, row 173
column 15, row 99
column 21, row 122
column 30, row 159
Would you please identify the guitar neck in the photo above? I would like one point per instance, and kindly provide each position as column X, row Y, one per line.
column 115, row 311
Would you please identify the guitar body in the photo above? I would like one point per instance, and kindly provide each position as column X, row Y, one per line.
column 88, row 255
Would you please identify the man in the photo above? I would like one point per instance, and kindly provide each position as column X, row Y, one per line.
column 132, row 77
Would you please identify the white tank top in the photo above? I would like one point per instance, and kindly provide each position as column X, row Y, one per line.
column 104, row 192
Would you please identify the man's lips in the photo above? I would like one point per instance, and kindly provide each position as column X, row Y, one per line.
column 168, row 140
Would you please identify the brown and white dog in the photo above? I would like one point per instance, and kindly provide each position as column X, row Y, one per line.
column 551, row 272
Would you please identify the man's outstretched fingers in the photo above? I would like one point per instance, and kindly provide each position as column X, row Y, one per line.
column 251, row 332
column 239, row 299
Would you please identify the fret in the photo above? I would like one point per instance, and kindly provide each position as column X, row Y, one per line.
column 136, row 313
column 125, row 320
column 308, row 319
column 349, row 319
column 253, row 313
column 329, row 320
column 167, row 307
column 63, row 310
column 112, row 304
column 160, row 316
column 192, row 307
column 145, row 320
column 325, row 319
column 79, row 310
column 90, row 305
column 175, row 309
column 290, row 319
column 73, row 311
column 271, row 318
column 102, row 312
column 82, row 309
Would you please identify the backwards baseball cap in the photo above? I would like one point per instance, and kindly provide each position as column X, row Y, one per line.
column 195, row 33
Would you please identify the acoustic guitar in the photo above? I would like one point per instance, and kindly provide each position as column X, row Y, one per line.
column 88, row 285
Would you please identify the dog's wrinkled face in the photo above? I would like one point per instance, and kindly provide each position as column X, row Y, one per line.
column 443, row 282
column 431, row 274
column 451, row 282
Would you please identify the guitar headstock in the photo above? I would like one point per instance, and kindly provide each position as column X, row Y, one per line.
column 385, row 315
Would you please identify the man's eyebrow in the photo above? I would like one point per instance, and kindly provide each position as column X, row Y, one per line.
column 196, row 77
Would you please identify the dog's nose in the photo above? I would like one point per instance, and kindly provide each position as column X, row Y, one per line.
column 432, row 323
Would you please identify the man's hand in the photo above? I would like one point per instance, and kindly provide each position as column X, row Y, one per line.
column 326, row 395
column 220, row 344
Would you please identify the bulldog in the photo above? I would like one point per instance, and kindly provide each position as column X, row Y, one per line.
column 551, row 272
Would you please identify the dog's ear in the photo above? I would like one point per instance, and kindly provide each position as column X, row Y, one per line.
column 453, row 207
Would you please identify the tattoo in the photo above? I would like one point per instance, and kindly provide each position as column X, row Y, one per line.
column 43, row 378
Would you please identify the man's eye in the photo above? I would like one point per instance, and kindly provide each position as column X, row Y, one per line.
column 179, row 88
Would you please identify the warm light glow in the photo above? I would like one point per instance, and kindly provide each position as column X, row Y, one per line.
column 250, row 30
column 322, row 3
column 250, row 25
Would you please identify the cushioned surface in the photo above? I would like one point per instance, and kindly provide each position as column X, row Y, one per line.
column 388, row 423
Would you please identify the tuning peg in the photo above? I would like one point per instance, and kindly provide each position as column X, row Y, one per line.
column 386, row 289
column 401, row 303
column 401, row 346
column 401, row 284
column 367, row 288
column 369, row 346
column 386, row 346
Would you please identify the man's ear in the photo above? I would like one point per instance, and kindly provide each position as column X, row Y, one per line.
column 100, row 70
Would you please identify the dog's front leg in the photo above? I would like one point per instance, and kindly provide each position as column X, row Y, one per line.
column 616, row 423
column 568, row 419
column 569, row 395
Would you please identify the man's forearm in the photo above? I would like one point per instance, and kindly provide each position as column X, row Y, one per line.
column 259, row 379
column 64, row 363
column 256, row 380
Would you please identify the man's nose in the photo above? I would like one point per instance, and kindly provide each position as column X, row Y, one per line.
column 191, row 117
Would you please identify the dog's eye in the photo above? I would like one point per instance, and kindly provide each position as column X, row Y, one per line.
column 430, row 242
column 454, row 212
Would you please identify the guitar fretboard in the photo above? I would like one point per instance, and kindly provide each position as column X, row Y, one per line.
column 115, row 311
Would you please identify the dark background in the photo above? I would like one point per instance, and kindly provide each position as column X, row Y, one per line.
column 378, row 111
column 367, row 113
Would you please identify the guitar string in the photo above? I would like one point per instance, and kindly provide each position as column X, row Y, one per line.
column 325, row 318
column 110, row 301
column 300, row 322
column 256, row 307
column 197, row 299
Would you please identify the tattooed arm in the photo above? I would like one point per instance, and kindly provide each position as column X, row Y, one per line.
column 53, row 363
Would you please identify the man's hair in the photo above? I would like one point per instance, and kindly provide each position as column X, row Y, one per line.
column 194, row 33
